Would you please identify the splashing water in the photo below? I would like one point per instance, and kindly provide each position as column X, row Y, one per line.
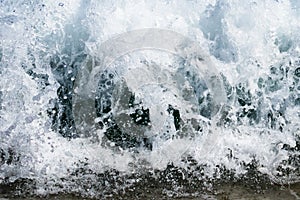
column 155, row 120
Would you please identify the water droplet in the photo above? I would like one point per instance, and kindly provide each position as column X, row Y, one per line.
column 297, row 72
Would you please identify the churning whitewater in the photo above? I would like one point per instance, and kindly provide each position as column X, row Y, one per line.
column 105, row 97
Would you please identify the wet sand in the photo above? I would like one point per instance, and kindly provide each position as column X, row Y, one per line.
column 223, row 192
column 228, row 192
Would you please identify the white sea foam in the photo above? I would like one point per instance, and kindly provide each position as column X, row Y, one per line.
column 243, row 40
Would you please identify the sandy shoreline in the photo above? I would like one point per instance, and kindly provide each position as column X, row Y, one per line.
column 223, row 192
